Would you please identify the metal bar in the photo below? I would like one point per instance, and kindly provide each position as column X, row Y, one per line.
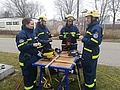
column 78, row 77
column 66, row 78
column 48, row 71
column 52, row 61
column 59, row 87
column 78, row 71
column 64, row 68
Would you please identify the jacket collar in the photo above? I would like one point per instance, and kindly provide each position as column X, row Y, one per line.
column 94, row 23
column 27, row 29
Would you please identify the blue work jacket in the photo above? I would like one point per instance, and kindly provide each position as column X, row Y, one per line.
column 74, row 34
column 24, row 41
column 42, row 35
column 92, row 40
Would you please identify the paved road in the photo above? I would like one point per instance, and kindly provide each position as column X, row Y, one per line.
column 109, row 55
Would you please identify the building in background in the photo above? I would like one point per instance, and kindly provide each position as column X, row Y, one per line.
column 12, row 24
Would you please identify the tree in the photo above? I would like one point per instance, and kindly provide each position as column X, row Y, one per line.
column 115, row 8
column 4, row 13
column 64, row 7
column 18, row 7
column 40, row 9
column 35, row 9
column 102, row 7
column 23, row 8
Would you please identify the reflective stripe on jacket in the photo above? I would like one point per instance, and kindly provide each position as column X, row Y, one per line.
column 74, row 33
column 92, row 40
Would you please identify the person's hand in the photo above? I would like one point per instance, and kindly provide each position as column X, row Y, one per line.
column 36, row 44
column 39, row 44
column 81, row 37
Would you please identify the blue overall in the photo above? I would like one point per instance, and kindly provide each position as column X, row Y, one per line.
column 91, row 41
column 28, row 55
column 74, row 35
column 42, row 33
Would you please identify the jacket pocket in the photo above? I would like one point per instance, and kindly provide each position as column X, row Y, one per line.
column 25, row 62
column 26, row 56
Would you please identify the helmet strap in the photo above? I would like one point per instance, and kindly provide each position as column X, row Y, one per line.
column 41, row 22
column 69, row 25
column 93, row 19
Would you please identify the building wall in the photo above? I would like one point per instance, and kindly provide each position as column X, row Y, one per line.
column 12, row 23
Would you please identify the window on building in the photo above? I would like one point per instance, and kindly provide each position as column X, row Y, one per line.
column 16, row 23
column 2, row 24
column 8, row 23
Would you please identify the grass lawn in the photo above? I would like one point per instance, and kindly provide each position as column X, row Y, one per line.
column 108, row 77
column 7, row 36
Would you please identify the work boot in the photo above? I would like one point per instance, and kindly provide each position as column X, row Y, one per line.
column 86, row 88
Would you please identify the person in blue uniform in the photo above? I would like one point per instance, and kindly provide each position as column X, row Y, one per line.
column 28, row 53
column 42, row 34
column 69, row 34
column 91, row 40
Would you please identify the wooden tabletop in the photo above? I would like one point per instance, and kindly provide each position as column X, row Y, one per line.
column 64, row 61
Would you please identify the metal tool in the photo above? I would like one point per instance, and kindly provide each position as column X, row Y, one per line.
column 58, row 51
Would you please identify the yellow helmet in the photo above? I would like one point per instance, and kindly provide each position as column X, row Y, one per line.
column 49, row 55
column 42, row 18
column 69, row 17
column 93, row 13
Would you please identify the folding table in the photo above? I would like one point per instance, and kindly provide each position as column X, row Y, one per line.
column 64, row 62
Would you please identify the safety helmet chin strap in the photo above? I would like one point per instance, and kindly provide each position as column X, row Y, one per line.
column 42, row 21
column 69, row 25
column 93, row 19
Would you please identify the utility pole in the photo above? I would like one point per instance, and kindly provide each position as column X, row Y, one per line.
column 77, row 9
column 78, row 14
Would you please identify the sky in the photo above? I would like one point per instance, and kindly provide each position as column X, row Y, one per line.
column 50, row 10
column 49, row 6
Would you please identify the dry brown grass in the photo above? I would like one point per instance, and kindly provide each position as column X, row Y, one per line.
column 112, row 34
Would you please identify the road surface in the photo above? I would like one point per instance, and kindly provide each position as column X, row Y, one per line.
column 109, row 55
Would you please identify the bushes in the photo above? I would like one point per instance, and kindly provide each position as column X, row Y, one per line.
column 108, row 34
column 8, row 32
column 112, row 34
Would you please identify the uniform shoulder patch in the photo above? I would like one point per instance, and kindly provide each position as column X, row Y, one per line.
column 95, row 35
column 21, row 40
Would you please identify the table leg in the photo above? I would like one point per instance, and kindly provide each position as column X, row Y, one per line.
column 78, row 76
column 66, row 78
column 39, row 87
column 78, row 72
column 60, row 85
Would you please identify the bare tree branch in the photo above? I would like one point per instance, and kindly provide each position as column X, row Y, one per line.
column 64, row 7
column 23, row 8
column 102, row 7
column 114, row 6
